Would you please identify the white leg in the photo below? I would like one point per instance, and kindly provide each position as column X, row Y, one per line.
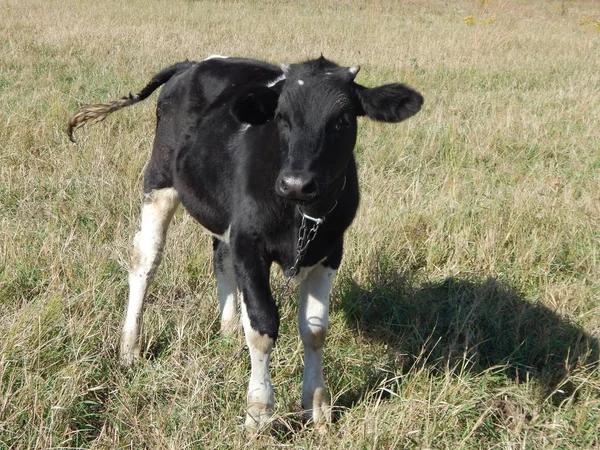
column 226, row 288
column 313, row 319
column 260, row 398
column 157, row 211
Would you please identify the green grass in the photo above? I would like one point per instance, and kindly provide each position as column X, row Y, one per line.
column 466, row 312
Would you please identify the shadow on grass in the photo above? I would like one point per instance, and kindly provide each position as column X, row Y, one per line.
column 465, row 324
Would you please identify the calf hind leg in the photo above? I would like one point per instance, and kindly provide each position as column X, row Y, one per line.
column 157, row 211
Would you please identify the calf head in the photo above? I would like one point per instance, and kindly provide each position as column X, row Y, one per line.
column 315, row 110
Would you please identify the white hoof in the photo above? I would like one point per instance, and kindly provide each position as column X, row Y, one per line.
column 258, row 417
column 130, row 349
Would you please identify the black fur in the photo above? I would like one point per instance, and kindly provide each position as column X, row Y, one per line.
column 225, row 138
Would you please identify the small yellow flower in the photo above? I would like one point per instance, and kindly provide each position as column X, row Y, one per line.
column 489, row 20
column 469, row 20
column 586, row 20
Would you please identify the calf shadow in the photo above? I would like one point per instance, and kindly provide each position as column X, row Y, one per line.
column 464, row 324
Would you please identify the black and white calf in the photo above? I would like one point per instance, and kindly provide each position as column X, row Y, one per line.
column 254, row 152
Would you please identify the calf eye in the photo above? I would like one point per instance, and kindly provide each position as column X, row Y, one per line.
column 340, row 123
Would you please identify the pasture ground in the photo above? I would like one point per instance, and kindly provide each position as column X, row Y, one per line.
column 466, row 312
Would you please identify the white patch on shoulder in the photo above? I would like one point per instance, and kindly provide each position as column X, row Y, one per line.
column 276, row 80
column 216, row 57
column 225, row 236
column 244, row 128
column 301, row 82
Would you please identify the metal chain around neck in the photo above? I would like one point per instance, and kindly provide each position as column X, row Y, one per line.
column 306, row 236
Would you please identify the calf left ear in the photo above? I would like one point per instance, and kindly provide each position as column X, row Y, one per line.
column 389, row 103
column 256, row 106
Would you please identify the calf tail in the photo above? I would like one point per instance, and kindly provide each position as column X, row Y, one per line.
column 98, row 112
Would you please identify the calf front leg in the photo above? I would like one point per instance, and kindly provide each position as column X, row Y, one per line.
column 313, row 319
column 157, row 211
column 260, row 319
column 226, row 286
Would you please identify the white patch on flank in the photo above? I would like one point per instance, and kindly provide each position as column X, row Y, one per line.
column 276, row 80
column 157, row 211
column 313, row 320
column 216, row 57
column 226, row 289
column 301, row 82
column 260, row 398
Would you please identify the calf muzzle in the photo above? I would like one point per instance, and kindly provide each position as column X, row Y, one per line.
column 296, row 185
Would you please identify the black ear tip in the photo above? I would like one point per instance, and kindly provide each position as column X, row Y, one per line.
column 419, row 100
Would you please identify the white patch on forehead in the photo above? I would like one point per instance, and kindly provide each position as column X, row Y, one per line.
column 301, row 82
column 276, row 80
column 216, row 57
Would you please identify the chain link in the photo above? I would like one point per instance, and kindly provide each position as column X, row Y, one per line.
column 304, row 238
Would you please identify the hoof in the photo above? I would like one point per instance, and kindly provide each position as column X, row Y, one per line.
column 130, row 348
column 322, row 428
column 258, row 417
column 320, row 413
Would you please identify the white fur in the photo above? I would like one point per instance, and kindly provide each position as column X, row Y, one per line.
column 260, row 397
column 301, row 82
column 304, row 271
column 225, row 236
column 244, row 128
column 215, row 57
column 276, row 80
column 313, row 320
column 157, row 211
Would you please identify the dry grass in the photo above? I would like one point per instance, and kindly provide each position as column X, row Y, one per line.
column 466, row 313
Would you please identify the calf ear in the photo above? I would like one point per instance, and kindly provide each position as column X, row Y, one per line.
column 256, row 106
column 389, row 103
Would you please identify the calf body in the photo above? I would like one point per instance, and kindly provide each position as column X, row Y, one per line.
column 262, row 157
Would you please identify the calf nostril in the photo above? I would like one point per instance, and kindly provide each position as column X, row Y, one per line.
column 296, row 186
column 283, row 186
column 309, row 187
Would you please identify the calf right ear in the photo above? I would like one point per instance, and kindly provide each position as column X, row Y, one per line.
column 389, row 103
column 256, row 106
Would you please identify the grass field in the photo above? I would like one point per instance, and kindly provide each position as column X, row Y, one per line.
column 466, row 314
